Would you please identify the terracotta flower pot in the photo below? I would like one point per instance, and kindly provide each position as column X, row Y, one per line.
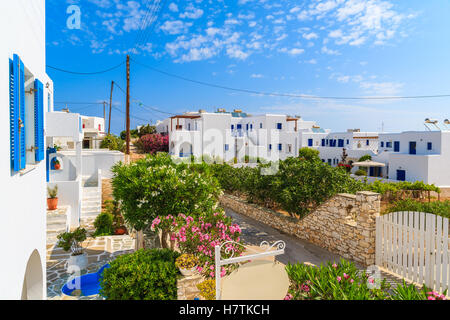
column 57, row 166
column 120, row 231
column 52, row 203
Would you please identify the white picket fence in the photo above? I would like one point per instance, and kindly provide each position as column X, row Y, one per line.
column 415, row 246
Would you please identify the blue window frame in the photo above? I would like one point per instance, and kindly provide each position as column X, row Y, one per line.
column 251, row 127
column 329, row 161
column 382, row 144
column 227, row 147
column 340, row 143
column 279, row 126
column 260, row 125
column 270, row 147
column 388, row 144
column 239, row 126
column 323, row 142
column 280, row 147
column 396, row 146
column 310, row 142
column 246, row 127
column 348, row 141
column 429, row 146
column 412, row 147
column 232, row 127
column 367, row 142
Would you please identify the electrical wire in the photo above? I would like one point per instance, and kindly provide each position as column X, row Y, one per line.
column 301, row 96
column 86, row 73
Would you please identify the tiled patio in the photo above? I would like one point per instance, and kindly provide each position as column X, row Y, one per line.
column 99, row 250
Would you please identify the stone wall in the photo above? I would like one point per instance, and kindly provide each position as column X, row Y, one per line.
column 106, row 190
column 187, row 287
column 344, row 224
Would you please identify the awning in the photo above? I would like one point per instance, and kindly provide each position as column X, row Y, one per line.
column 368, row 163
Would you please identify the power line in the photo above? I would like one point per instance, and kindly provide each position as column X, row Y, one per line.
column 86, row 73
column 148, row 32
column 302, row 96
column 144, row 21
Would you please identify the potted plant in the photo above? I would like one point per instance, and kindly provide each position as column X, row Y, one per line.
column 52, row 199
column 71, row 242
column 186, row 263
column 112, row 207
column 57, row 164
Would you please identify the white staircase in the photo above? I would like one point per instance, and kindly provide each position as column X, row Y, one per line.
column 91, row 206
column 56, row 223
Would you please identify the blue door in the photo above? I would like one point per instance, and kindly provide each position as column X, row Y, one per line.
column 412, row 147
column 401, row 175
column 310, row 142
column 396, row 146
column 371, row 172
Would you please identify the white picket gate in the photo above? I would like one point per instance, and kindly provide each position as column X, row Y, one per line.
column 415, row 246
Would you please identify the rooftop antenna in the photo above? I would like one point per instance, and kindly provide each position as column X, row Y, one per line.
column 433, row 122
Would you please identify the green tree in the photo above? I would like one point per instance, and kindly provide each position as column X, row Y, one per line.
column 156, row 186
column 112, row 142
column 309, row 154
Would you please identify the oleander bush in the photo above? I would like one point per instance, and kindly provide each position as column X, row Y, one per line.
column 156, row 186
column 441, row 208
column 343, row 281
column 141, row 275
column 199, row 235
column 152, row 143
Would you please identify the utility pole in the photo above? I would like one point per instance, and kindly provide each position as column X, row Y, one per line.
column 128, row 106
column 104, row 110
column 110, row 106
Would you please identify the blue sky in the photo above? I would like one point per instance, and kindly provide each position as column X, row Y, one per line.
column 315, row 48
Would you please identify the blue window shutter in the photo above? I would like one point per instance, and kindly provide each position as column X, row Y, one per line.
column 22, row 126
column 13, row 117
column 310, row 142
column 39, row 120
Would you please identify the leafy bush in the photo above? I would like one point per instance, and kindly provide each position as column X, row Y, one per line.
column 71, row 241
column 142, row 275
column 152, row 143
column 341, row 281
column 365, row 157
column 207, row 289
column 112, row 142
column 298, row 186
column 360, row 172
column 103, row 225
column 198, row 236
column 309, row 154
column 156, row 186
column 344, row 281
column 441, row 208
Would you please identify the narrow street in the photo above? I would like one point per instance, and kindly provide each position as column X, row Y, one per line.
column 297, row 250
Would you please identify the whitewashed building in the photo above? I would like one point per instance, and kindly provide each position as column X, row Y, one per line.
column 234, row 135
column 416, row 156
column 26, row 92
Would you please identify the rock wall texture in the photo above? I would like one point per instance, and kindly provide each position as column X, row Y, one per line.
column 344, row 224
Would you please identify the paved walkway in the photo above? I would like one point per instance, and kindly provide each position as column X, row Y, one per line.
column 297, row 250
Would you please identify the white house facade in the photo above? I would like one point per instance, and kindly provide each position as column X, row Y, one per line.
column 416, row 156
column 26, row 94
column 234, row 135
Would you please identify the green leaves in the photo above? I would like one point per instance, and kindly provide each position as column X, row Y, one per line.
column 142, row 275
column 156, row 186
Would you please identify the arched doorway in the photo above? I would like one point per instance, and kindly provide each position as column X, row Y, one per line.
column 32, row 288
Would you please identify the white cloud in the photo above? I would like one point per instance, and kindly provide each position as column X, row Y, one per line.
column 175, row 27
column 256, row 76
column 309, row 36
column 173, row 7
column 382, row 88
column 191, row 12
column 296, row 51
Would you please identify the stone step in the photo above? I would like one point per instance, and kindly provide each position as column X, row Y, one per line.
column 91, row 211
column 89, row 214
column 92, row 198
column 91, row 203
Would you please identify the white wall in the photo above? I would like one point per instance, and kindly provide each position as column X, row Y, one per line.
column 23, row 200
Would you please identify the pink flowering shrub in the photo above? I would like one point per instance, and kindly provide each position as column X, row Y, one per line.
column 152, row 143
column 199, row 236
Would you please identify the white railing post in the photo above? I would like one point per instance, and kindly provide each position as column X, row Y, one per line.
column 217, row 268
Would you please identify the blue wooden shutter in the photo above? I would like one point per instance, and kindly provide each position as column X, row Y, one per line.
column 39, row 120
column 13, row 118
column 22, row 125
